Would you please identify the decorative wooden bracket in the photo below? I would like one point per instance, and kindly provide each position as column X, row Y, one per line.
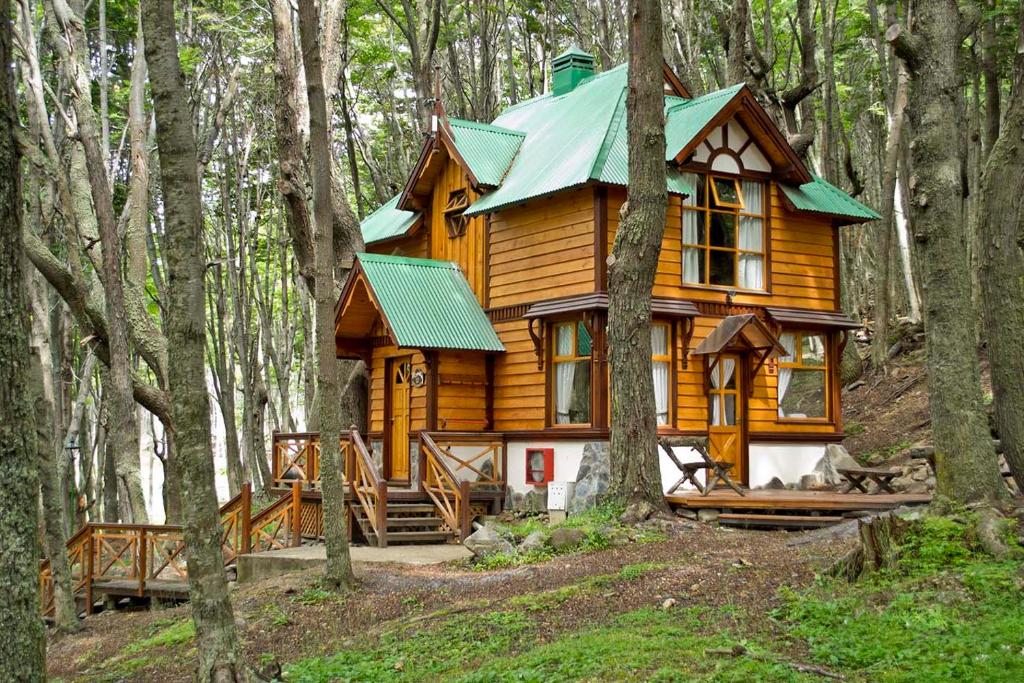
column 844, row 337
column 753, row 372
column 687, row 336
column 537, row 336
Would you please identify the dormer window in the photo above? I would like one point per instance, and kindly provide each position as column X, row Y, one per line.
column 723, row 233
column 455, row 219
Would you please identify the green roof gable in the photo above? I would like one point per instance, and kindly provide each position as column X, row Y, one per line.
column 428, row 304
column 821, row 196
column 388, row 222
column 487, row 150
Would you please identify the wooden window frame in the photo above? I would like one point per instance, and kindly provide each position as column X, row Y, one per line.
column 455, row 220
column 668, row 358
column 798, row 364
column 554, row 359
column 736, row 185
column 706, row 248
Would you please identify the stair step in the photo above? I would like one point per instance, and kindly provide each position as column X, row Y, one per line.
column 402, row 509
column 417, row 536
column 414, row 521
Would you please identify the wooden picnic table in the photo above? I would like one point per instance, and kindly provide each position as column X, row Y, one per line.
column 856, row 477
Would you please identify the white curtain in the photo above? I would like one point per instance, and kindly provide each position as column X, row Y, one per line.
column 720, row 377
column 564, row 374
column 788, row 341
column 691, row 235
column 659, row 347
column 751, row 237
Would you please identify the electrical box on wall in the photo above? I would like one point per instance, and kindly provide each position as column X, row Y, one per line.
column 559, row 493
column 540, row 466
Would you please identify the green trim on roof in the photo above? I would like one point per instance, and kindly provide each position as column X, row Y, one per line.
column 487, row 150
column 388, row 222
column 820, row 196
column 428, row 304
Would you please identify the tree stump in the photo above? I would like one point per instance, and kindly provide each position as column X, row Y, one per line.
column 880, row 538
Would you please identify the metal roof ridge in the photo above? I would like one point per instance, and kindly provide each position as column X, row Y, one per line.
column 616, row 120
column 724, row 92
column 489, row 127
column 395, row 259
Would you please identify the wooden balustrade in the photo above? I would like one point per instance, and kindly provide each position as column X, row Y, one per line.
column 366, row 484
column 449, row 494
column 480, row 460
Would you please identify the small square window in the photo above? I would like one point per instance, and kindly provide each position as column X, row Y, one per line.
column 727, row 192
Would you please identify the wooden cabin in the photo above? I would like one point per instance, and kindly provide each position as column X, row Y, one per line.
column 480, row 305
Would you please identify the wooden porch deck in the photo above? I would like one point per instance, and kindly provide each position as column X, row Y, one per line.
column 810, row 501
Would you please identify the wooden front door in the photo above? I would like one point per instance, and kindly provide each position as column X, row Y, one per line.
column 396, row 446
column 726, row 414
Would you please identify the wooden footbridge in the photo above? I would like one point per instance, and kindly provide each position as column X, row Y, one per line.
column 148, row 560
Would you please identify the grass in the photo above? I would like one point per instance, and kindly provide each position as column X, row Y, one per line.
column 177, row 633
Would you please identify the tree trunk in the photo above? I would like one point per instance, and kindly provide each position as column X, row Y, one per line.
column 339, row 565
column 636, row 476
column 48, row 450
column 22, row 647
column 216, row 640
column 736, row 69
column 966, row 466
column 1000, row 216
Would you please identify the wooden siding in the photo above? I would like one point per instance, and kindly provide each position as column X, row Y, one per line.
column 518, row 384
column 543, row 250
column 468, row 251
column 378, row 379
column 461, row 391
column 801, row 258
column 416, row 245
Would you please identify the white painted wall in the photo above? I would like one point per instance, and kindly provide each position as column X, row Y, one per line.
column 787, row 461
column 568, row 455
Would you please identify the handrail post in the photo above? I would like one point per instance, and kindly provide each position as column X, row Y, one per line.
column 296, row 522
column 90, row 546
column 382, row 515
column 246, row 544
column 463, row 511
column 142, row 559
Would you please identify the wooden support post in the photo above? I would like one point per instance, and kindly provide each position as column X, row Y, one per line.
column 381, row 510
column 246, row 545
column 463, row 511
column 89, row 546
column 143, row 561
column 296, row 518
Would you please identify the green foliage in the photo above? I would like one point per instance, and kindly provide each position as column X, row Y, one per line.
column 854, row 428
column 315, row 596
column 276, row 615
column 945, row 612
column 179, row 632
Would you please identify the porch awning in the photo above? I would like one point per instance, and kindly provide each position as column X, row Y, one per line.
column 791, row 317
column 418, row 303
column 741, row 332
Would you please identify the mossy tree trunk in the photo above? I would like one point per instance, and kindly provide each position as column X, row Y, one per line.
column 216, row 639
column 339, row 565
column 1001, row 235
column 636, row 476
column 966, row 466
column 22, row 647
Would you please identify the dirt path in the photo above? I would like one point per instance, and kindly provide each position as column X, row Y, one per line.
column 289, row 618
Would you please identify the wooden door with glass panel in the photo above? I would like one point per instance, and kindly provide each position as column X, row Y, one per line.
column 396, row 451
column 725, row 413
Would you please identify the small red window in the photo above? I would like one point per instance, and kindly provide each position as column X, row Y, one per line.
column 540, row 466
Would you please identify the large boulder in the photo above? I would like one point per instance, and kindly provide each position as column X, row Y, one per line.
column 566, row 538
column 487, row 541
column 592, row 478
column 535, row 540
column 836, row 458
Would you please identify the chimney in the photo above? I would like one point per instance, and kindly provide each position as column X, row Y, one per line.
column 569, row 68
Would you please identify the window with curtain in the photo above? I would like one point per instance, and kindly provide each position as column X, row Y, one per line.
column 570, row 366
column 803, row 376
column 723, row 232
column 661, row 363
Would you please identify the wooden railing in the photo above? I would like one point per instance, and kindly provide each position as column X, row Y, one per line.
column 136, row 556
column 476, row 457
column 366, row 484
column 295, row 456
column 450, row 496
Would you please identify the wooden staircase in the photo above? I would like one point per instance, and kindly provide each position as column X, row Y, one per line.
column 406, row 523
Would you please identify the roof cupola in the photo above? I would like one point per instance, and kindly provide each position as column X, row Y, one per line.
column 569, row 69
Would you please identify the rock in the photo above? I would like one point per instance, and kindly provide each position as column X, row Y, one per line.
column 566, row 538
column 814, row 481
column 836, row 457
column 536, row 500
column 486, row 541
column 708, row 515
column 534, row 541
column 592, row 478
column 669, row 603
column 619, row 538
column 775, row 484
column 920, row 474
column 917, row 487
column 686, row 513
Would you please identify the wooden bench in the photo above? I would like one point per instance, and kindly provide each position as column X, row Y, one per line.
column 717, row 470
column 857, row 476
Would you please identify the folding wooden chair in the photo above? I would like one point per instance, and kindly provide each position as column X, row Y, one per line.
column 716, row 471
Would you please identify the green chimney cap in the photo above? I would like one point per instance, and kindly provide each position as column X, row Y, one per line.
column 569, row 68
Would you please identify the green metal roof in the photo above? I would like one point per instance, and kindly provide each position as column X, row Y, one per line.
column 821, row 196
column 387, row 222
column 686, row 118
column 488, row 150
column 428, row 304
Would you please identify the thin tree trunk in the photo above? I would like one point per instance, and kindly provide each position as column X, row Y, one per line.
column 966, row 466
column 216, row 639
column 636, row 476
column 339, row 565
column 22, row 647
column 1001, row 235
